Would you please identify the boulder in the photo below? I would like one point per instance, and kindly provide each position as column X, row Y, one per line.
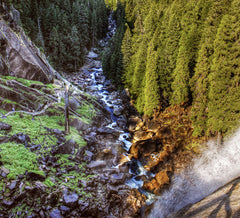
column 105, row 130
column 20, row 58
column 56, row 213
column 133, row 122
column 4, row 126
column 117, row 179
column 67, row 148
column 97, row 164
column 79, row 125
column 91, row 54
column 32, row 176
column 21, row 139
column 64, row 209
column 4, row 171
column 12, row 185
column 70, row 200
column 118, row 110
column 4, row 139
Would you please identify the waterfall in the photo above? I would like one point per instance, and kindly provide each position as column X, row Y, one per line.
column 217, row 165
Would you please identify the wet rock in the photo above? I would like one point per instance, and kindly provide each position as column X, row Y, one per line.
column 92, row 55
column 56, row 213
column 122, row 122
column 133, row 122
column 34, row 176
column 70, row 199
column 118, row 110
column 139, row 135
column 4, row 126
column 117, row 179
column 144, row 147
column 105, row 130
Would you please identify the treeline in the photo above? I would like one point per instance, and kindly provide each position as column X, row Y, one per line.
column 181, row 52
column 64, row 29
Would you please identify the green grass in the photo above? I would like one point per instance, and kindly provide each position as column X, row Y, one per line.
column 87, row 111
column 34, row 127
column 17, row 159
column 48, row 182
column 76, row 137
column 25, row 82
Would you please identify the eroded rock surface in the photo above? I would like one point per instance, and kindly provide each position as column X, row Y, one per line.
column 19, row 56
column 222, row 203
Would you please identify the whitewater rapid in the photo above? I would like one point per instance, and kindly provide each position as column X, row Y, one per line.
column 217, row 165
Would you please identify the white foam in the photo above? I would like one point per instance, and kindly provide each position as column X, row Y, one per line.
column 218, row 165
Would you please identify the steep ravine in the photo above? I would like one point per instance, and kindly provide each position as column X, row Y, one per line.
column 46, row 172
column 113, row 163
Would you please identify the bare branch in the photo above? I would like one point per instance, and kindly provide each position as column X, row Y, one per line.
column 30, row 113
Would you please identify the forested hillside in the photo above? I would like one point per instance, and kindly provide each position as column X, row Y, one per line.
column 180, row 52
column 63, row 29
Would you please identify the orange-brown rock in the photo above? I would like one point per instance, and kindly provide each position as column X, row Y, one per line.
column 159, row 141
column 155, row 185
column 125, row 158
column 151, row 185
column 134, row 201
column 162, row 178
column 143, row 147
column 155, row 159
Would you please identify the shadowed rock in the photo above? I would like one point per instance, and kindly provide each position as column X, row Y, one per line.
column 4, row 126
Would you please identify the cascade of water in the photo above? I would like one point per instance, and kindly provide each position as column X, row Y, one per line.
column 218, row 165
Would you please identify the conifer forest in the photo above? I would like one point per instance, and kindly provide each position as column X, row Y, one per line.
column 119, row 108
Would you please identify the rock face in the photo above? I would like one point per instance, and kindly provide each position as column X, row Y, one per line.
column 19, row 57
column 222, row 203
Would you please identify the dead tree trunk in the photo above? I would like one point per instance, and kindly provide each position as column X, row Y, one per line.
column 66, row 111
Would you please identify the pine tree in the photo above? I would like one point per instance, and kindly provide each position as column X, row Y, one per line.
column 224, row 93
column 151, row 89
column 199, row 82
column 76, row 49
column 140, row 67
column 186, row 59
column 127, row 45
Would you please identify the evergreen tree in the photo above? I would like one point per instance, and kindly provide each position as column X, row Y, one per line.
column 199, row 82
column 151, row 89
column 140, row 67
column 224, row 93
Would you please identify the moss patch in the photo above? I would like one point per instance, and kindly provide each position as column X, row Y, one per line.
column 17, row 159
